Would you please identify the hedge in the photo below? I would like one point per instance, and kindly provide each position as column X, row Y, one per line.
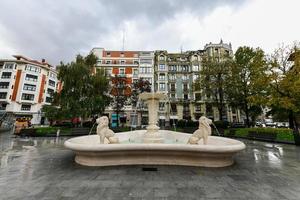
column 282, row 134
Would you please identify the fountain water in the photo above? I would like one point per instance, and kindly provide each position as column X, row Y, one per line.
column 154, row 146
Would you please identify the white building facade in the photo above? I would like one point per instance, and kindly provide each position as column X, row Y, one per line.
column 25, row 86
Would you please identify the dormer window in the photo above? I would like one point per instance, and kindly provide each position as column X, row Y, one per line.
column 161, row 57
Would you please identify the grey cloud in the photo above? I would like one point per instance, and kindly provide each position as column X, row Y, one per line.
column 57, row 30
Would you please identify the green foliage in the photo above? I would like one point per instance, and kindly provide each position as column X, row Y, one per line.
column 282, row 134
column 51, row 112
column 212, row 81
column 187, row 123
column 284, row 83
column 246, row 84
column 52, row 130
column 84, row 93
column 139, row 87
column 221, row 124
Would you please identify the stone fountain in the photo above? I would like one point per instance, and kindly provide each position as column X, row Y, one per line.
column 152, row 135
column 153, row 146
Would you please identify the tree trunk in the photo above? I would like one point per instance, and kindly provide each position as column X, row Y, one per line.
column 291, row 120
column 247, row 117
column 220, row 109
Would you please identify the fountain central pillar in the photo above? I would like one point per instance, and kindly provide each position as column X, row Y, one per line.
column 152, row 135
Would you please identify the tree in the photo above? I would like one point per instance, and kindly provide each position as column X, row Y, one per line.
column 120, row 91
column 84, row 93
column 246, row 84
column 284, row 82
column 138, row 87
column 211, row 82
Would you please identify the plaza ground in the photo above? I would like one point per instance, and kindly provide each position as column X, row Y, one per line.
column 41, row 168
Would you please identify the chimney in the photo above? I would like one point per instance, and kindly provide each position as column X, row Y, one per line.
column 43, row 60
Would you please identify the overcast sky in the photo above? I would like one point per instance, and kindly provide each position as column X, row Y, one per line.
column 57, row 30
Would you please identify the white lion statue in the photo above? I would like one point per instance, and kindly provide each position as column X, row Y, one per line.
column 203, row 131
column 104, row 132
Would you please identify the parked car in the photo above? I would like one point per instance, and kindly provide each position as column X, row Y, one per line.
column 282, row 124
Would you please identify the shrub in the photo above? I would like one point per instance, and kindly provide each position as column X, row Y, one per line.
column 186, row 123
column 221, row 124
column 87, row 124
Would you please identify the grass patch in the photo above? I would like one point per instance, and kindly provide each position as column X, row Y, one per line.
column 40, row 131
column 282, row 134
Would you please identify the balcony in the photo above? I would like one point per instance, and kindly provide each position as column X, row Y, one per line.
column 117, row 64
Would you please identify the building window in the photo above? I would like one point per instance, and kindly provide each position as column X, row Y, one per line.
column 172, row 77
column 185, row 87
column 6, row 75
column 29, row 87
column 196, row 77
column 122, row 62
column 3, row 95
column 136, row 62
column 51, row 83
column 173, row 88
column 146, row 61
column 3, row 106
column 185, row 68
column 32, row 68
column 173, row 108
column 162, row 86
column 4, row 85
column 107, row 72
column 162, row 67
column 184, row 77
column 27, row 97
column 161, row 106
column 25, row 107
column 161, row 57
column 161, row 77
column 135, row 71
column 122, row 54
column 122, row 71
column 9, row 65
column 108, row 54
column 145, row 70
column 30, row 77
column 173, row 68
column 108, row 61
column 53, row 75
column 49, row 99
column 50, row 91
column 197, row 96
column 196, row 68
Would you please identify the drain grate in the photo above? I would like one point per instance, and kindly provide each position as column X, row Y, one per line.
column 149, row 169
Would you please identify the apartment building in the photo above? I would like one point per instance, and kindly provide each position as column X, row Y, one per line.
column 171, row 73
column 25, row 86
column 175, row 75
column 131, row 65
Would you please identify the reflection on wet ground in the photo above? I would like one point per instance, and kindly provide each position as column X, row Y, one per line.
column 41, row 168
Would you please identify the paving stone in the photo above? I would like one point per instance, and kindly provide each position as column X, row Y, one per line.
column 41, row 168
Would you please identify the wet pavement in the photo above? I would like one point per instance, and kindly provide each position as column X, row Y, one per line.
column 41, row 168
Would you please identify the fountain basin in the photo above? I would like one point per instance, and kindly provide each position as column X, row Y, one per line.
column 218, row 152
